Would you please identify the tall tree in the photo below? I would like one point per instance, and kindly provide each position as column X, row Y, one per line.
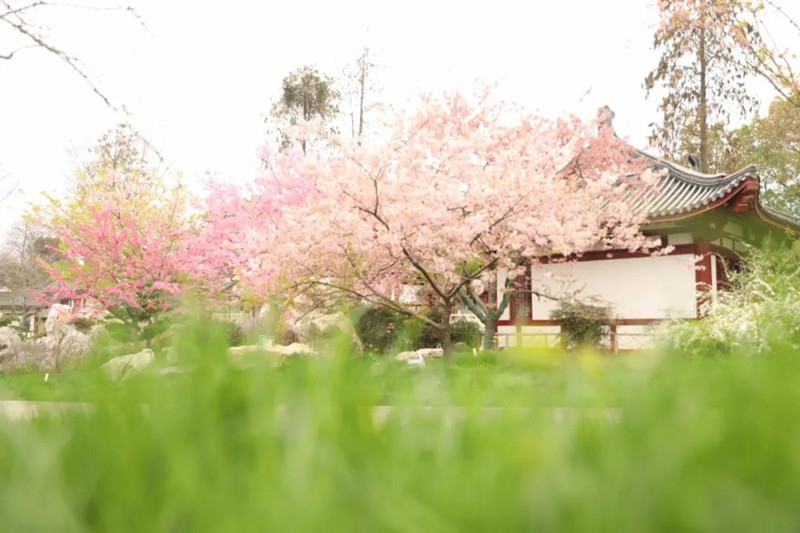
column 773, row 60
column 772, row 144
column 700, row 71
column 306, row 95
column 360, row 92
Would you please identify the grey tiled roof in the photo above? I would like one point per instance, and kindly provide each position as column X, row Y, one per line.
column 16, row 299
column 11, row 299
column 682, row 190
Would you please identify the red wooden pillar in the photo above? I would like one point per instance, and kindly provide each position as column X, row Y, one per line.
column 612, row 334
column 702, row 273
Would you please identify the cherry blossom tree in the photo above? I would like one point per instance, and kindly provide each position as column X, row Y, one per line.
column 462, row 187
column 120, row 235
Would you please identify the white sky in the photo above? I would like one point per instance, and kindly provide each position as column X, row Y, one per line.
column 200, row 77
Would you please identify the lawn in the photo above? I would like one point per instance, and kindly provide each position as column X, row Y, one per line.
column 541, row 441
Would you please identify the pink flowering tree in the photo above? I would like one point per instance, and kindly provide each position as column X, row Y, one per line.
column 460, row 188
column 120, row 235
column 240, row 228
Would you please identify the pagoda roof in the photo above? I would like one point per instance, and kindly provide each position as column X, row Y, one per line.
column 682, row 193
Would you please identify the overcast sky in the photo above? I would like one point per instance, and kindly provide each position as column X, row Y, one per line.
column 198, row 76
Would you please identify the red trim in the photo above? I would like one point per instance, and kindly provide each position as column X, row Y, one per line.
column 618, row 322
column 745, row 200
column 598, row 255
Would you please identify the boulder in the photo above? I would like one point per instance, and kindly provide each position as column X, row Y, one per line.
column 461, row 347
column 9, row 345
column 65, row 345
column 64, row 342
column 125, row 365
column 275, row 354
column 318, row 326
column 424, row 353
column 293, row 349
column 58, row 316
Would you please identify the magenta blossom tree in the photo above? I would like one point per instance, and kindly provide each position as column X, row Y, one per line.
column 120, row 246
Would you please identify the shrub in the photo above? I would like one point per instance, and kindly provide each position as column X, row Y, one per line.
column 378, row 328
column 757, row 315
column 461, row 330
column 83, row 324
column 467, row 331
column 582, row 324
column 8, row 320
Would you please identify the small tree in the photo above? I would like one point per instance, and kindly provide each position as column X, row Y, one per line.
column 119, row 237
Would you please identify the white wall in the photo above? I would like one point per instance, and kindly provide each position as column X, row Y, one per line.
column 641, row 287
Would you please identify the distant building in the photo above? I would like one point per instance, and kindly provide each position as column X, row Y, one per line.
column 21, row 305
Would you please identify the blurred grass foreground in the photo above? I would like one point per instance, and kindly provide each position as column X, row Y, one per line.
column 534, row 441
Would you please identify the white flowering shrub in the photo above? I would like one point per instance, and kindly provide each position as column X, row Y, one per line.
column 759, row 314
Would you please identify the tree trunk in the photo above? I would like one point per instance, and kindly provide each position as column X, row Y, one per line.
column 702, row 114
column 447, row 345
column 488, row 334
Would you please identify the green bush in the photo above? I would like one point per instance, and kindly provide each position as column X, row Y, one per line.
column 467, row 331
column 83, row 324
column 8, row 320
column 757, row 315
column 461, row 330
column 383, row 330
column 379, row 328
column 582, row 324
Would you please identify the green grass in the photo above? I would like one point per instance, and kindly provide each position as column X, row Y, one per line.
column 542, row 442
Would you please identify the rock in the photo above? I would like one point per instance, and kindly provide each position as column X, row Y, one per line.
column 461, row 347
column 125, row 365
column 431, row 353
column 295, row 348
column 424, row 353
column 9, row 340
column 238, row 351
column 63, row 341
column 319, row 326
column 276, row 354
column 66, row 345
column 418, row 362
column 16, row 354
column 10, row 344
column 57, row 316
column 173, row 370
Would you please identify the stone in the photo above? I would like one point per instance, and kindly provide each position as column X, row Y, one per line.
column 293, row 349
column 126, row 365
column 9, row 340
column 175, row 370
column 64, row 342
column 276, row 354
column 431, row 353
column 461, row 347
column 317, row 326
column 57, row 316
column 424, row 353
